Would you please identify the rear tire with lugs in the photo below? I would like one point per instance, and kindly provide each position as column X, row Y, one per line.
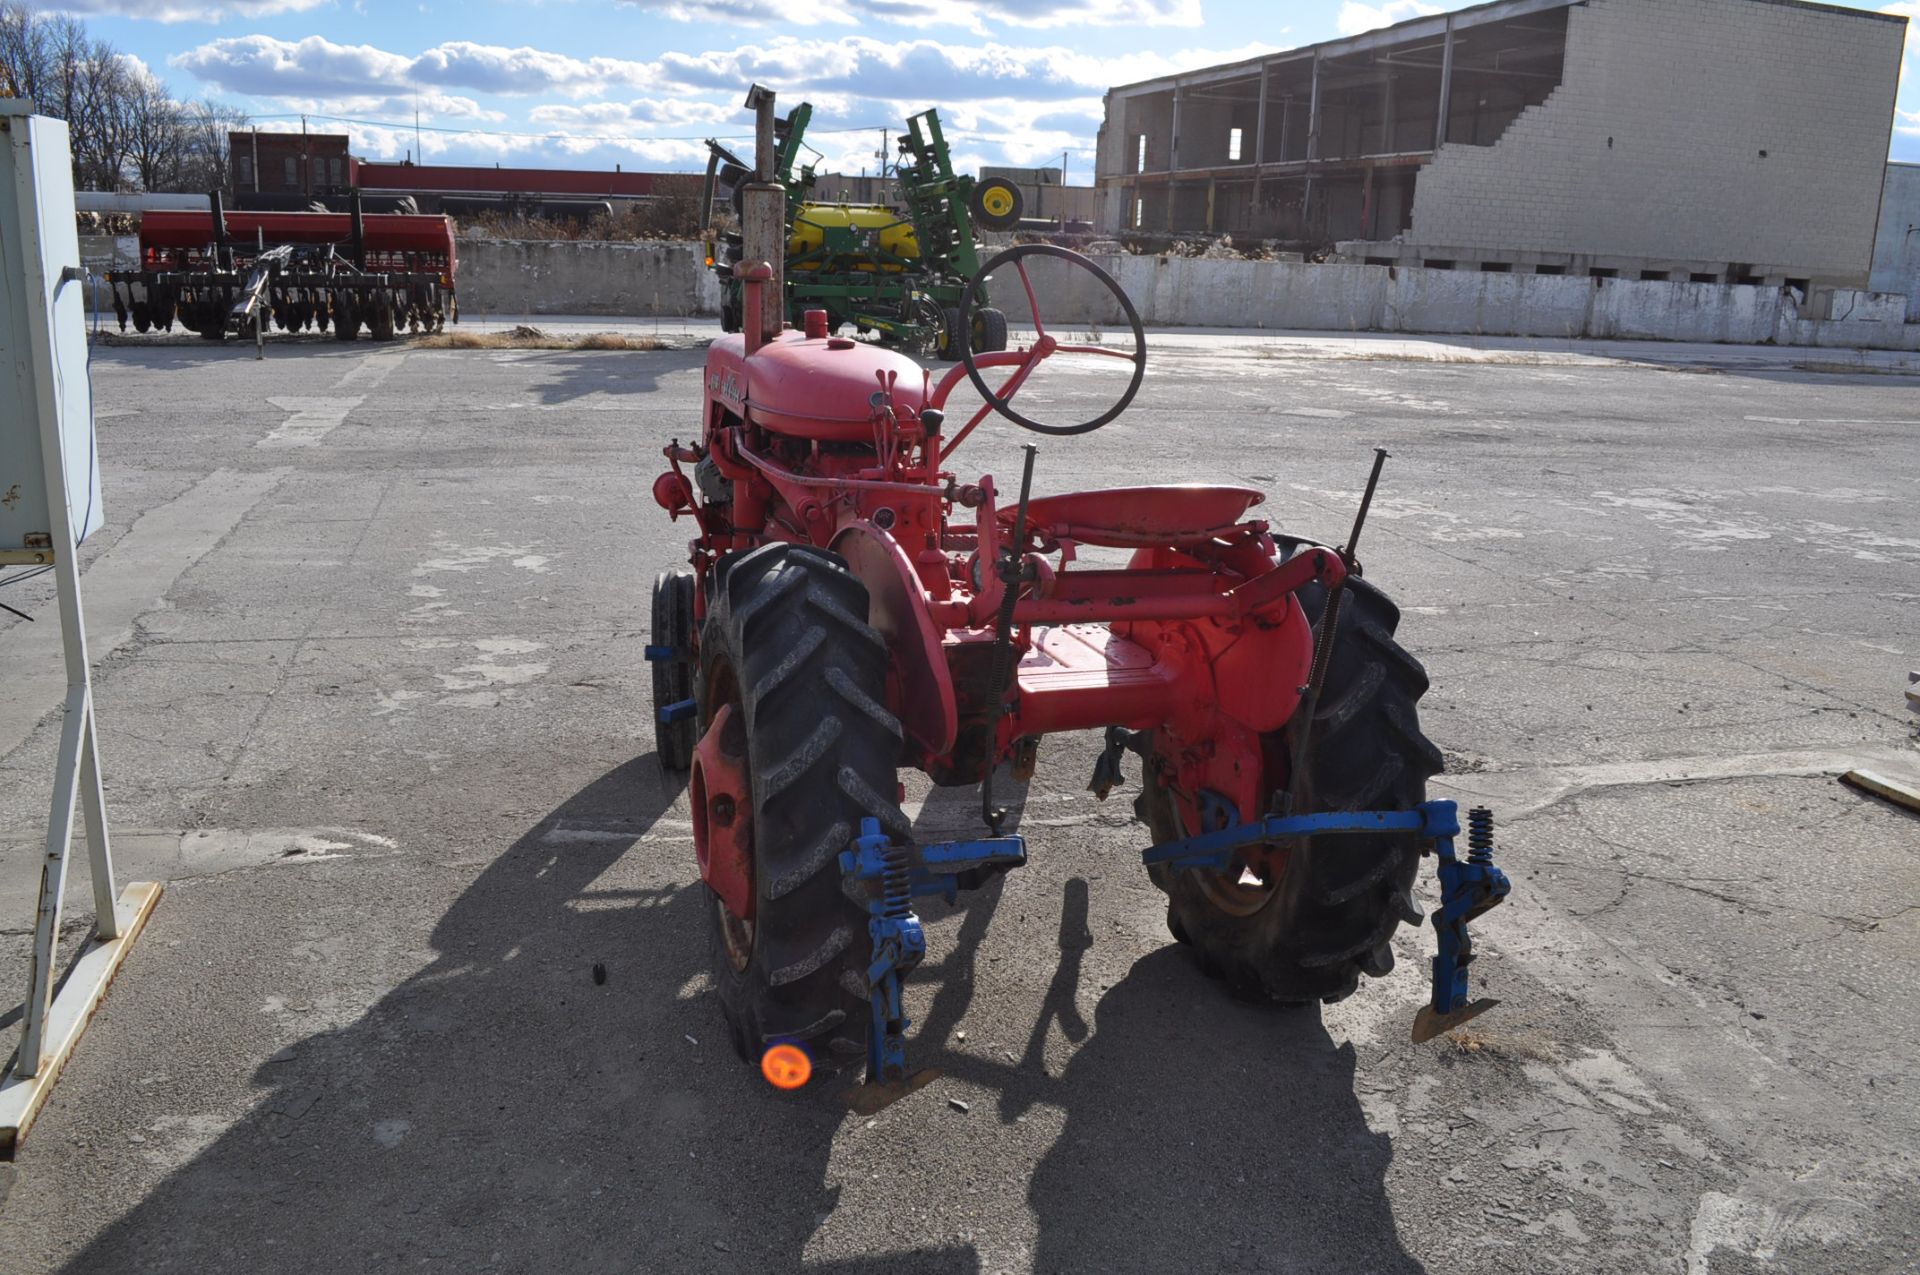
column 788, row 644
column 1332, row 914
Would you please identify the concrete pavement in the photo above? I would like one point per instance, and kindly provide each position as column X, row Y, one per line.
column 380, row 717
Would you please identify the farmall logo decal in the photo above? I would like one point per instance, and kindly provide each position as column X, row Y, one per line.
column 727, row 384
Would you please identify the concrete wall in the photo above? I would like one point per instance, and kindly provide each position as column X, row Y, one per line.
column 506, row 279
column 512, row 277
column 1896, row 251
column 1731, row 130
column 1206, row 292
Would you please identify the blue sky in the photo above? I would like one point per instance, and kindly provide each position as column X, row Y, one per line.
column 640, row 82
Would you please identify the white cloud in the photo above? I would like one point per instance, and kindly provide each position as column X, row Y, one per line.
column 400, row 106
column 491, row 68
column 910, row 70
column 1355, row 18
column 264, row 66
column 185, row 10
column 1018, row 104
column 750, row 13
column 624, row 118
column 974, row 14
column 927, row 71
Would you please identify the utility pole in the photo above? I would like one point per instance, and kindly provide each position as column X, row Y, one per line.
column 419, row 147
column 306, row 160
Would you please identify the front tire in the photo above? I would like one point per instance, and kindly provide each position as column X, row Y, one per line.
column 787, row 643
column 989, row 330
column 1331, row 915
column 673, row 679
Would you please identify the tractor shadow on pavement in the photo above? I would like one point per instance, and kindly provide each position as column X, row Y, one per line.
column 1199, row 1133
column 1205, row 1135
column 499, row 1110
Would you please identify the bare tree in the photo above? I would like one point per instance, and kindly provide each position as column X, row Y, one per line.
column 154, row 127
column 127, row 131
column 205, row 125
column 26, row 57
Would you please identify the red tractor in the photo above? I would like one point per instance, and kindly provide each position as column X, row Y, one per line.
column 853, row 606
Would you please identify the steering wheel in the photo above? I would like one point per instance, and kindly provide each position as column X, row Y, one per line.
column 1045, row 345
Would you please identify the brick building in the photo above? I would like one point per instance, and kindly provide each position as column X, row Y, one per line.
column 291, row 163
column 1724, row 139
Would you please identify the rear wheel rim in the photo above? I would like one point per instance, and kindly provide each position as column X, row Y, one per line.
column 736, row 932
column 1229, row 891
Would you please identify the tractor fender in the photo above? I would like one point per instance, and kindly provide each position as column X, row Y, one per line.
column 922, row 685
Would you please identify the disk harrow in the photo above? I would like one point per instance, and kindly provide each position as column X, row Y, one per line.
column 219, row 274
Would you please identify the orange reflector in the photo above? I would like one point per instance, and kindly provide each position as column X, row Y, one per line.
column 786, row 1066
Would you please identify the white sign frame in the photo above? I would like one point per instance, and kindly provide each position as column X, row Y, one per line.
column 40, row 283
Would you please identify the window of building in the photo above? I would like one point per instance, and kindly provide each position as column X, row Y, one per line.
column 339, row 177
column 1550, row 270
column 293, row 173
column 1233, row 145
column 1139, row 212
column 1140, row 154
column 244, row 166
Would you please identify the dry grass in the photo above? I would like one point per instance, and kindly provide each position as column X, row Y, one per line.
column 1528, row 1045
column 530, row 338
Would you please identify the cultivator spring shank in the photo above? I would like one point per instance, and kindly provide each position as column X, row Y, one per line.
column 219, row 274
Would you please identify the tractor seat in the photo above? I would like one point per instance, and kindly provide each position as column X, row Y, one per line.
column 1125, row 517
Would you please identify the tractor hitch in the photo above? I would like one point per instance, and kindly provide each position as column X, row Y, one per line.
column 1467, row 888
column 900, row 873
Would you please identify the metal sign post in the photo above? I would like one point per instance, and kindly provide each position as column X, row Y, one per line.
column 49, row 502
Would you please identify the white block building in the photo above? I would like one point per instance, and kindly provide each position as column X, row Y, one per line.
column 1724, row 140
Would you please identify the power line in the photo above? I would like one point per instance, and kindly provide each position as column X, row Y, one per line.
column 543, row 137
column 403, row 125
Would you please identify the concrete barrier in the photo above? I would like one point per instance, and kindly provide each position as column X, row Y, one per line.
column 507, row 278
column 525, row 277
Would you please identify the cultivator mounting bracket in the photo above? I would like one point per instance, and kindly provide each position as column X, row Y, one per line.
column 896, row 874
column 1467, row 887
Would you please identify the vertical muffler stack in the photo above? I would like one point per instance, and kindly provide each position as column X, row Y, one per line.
column 763, row 230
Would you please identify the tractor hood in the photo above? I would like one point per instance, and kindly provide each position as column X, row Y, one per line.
column 819, row 388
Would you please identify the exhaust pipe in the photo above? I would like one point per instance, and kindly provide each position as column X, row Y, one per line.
column 763, row 231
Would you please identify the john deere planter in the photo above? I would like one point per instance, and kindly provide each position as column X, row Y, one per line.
column 895, row 272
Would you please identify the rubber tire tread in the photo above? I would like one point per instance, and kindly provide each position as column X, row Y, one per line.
column 811, row 677
column 946, row 345
column 673, row 679
column 993, row 330
column 1337, row 905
